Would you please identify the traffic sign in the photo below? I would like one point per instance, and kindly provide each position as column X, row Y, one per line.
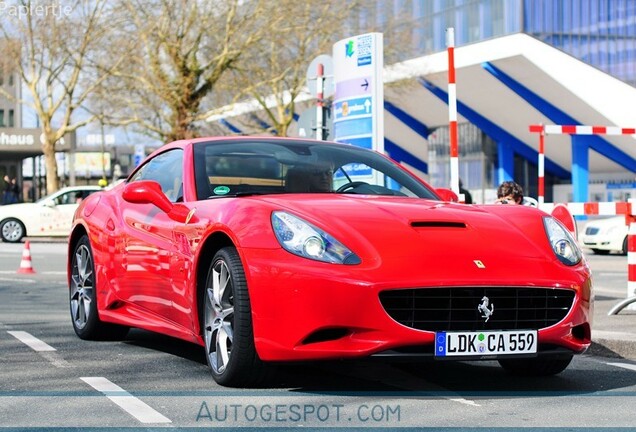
column 307, row 124
column 312, row 73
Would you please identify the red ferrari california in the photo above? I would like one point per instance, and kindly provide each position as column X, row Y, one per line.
column 267, row 250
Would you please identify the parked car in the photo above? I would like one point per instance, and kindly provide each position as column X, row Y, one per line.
column 606, row 235
column 49, row 216
column 267, row 250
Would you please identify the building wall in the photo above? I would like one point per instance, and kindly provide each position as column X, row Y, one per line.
column 601, row 33
column 10, row 117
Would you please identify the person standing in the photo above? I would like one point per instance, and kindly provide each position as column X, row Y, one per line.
column 468, row 199
column 11, row 191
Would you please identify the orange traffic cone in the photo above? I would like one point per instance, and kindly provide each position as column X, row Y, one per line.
column 25, row 264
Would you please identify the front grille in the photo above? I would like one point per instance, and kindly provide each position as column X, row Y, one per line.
column 591, row 231
column 456, row 309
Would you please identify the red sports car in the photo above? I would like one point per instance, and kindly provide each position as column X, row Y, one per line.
column 275, row 249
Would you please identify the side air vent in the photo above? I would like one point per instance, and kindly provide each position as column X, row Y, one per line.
column 437, row 224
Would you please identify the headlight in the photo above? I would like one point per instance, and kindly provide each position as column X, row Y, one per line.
column 303, row 239
column 563, row 244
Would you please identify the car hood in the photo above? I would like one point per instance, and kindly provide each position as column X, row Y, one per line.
column 426, row 227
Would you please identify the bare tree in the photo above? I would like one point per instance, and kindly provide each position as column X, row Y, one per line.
column 54, row 49
column 183, row 48
column 273, row 74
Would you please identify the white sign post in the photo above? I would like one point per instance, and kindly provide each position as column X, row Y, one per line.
column 358, row 108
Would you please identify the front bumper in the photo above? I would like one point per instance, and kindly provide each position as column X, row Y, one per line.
column 307, row 310
column 601, row 242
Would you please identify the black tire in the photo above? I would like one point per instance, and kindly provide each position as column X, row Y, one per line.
column 83, row 299
column 538, row 366
column 624, row 250
column 227, row 324
column 12, row 230
column 601, row 251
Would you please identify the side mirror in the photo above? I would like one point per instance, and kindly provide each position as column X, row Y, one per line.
column 447, row 195
column 49, row 203
column 563, row 215
column 149, row 192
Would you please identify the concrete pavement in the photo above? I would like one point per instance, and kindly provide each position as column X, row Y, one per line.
column 613, row 335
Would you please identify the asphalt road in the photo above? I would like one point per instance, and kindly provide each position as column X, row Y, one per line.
column 150, row 381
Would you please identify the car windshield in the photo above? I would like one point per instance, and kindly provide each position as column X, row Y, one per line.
column 254, row 167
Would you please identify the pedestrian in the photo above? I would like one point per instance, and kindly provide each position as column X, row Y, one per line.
column 468, row 199
column 11, row 191
column 509, row 192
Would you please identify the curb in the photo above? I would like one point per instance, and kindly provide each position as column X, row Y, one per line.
column 613, row 348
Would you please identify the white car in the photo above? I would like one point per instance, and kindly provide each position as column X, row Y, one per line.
column 48, row 217
column 606, row 235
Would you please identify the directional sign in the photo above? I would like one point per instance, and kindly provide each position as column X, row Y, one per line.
column 349, row 108
column 358, row 107
column 140, row 154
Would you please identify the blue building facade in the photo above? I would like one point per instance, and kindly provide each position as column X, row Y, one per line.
column 601, row 33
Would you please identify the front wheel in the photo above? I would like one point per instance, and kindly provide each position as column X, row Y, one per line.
column 83, row 300
column 227, row 326
column 12, row 230
column 538, row 366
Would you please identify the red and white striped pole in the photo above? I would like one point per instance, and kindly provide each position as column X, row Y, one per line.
column 585, row 130
column 568, row 130
column 319, row 103
column 541, row 183
column 541, row 163
column 452, row 112
column 631, row 253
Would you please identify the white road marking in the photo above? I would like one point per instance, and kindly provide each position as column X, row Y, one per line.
column 624, row 365
column 133, row 406
column 30, row 340
column 464, row 401
column 52, row 272
column 17, row 280
column 55, row 359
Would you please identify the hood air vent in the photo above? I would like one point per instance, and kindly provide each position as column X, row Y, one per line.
column 437, row 224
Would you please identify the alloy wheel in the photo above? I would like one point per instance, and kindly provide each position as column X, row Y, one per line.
column 219, row 317
column 81, row 287
column 12, row 231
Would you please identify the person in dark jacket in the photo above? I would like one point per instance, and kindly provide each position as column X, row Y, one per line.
column 468, row 199
column 11, row 191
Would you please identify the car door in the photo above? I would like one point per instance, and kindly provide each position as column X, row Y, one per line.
column 149, row 244
column 55, row 214
column 60, row 210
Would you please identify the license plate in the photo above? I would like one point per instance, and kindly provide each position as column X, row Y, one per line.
column 477, row 344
